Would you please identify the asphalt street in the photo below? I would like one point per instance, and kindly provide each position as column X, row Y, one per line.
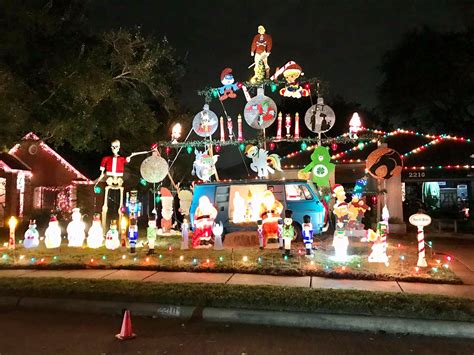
column 24, row 332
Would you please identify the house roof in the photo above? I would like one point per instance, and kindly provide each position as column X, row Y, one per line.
column 13, row 163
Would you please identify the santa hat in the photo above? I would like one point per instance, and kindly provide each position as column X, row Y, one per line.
column 337, row 188
column 293, row 67
column 53, row 218
column 164, row 192
column 96, row 217
column 225, row 72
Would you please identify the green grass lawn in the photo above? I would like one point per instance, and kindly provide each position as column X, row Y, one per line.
column 247, row 297
column 402, row 253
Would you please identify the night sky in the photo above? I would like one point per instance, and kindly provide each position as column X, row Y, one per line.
column 339, row 41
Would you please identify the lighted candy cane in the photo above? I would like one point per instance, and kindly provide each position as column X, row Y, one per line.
column 246, row 93
column 281, row 70
column 420, row 220
column 297, row 126
column 280, row 123
column 221, row 122
column 240, row 136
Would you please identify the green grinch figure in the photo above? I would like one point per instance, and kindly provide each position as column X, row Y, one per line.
column 320, row 167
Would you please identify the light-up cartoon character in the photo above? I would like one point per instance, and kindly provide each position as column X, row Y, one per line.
column 204, row 166
column 379, row 240
column 76, row 229
column 95, row 237
column 112, row 238
column 203, row 221
column 270, row 212
column 262, row 162
column 320, row 167
column 260, row 49
column 293, row 89
column 357, row 208
column 264, row 112
column 31, row 236
column 52, row 234
column 229, row 86
column 167, row 202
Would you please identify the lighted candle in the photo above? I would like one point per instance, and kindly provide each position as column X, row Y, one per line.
column 279, row 127
column 297, row 126
column 12, row 224
column 221, row 122
column 240, row 137
column 230, row 128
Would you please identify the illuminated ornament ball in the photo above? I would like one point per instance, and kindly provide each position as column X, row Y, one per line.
column 154, row 169
column 205, row 123
column 384, row 163
column 320, row 118
column 261, row 111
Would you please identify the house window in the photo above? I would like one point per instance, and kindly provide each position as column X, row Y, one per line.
column 298, row 193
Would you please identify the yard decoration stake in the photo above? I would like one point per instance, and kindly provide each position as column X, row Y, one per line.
column 420, row 220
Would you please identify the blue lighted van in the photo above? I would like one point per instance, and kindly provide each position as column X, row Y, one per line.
column 300, row 196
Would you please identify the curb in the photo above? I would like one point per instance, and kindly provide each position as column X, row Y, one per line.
column 275, row 318
column 343, row 322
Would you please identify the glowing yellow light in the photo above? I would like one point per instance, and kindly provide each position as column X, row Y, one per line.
column 124, row 257
column 12, row 222
column 123, row 223
column 181, row 257
column 245, row 258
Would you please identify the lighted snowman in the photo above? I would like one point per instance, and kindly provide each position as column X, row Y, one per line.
column 31, row 236
column 95, row 237
column 52, row 234
column 76, row 229
column 112, row 240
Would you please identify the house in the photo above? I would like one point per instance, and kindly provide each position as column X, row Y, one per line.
column 34, row 177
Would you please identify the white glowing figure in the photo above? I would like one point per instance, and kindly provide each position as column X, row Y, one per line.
column 340, row 243
column 238, row 216
column 31, row 236
column 76, row 229
column 355, row 125
column 52, row 234
column 95, row 236
column 262, row 162
column 175, row 133
column 112, row 240
column 379, row 246
column 217, row 230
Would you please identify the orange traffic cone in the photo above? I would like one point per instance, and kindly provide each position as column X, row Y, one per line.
column 126, row 331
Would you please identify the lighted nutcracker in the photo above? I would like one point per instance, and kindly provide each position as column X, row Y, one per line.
column 203, row 221
column 288, row 232
column 260, row 49
column 308, row 235
column 151, row 232
column 134, row 207
column 270, row 211
column 31, row 236
column 132, row 234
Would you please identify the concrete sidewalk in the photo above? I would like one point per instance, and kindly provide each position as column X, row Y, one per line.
column 464, row 291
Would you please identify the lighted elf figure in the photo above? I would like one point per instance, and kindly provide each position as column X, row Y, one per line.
column 132, row 234
column 293, row 88
column 31, row 236
column 307, row 230
column 270, row 211
column 76, row 229
column 229, row 86
column 112, row 238
column 260, row 49
column 151, row 232
column 288, row 232
column 217, row 230
column 95, row 236
column 52, row 234
column 185, row 234
column 134, row 207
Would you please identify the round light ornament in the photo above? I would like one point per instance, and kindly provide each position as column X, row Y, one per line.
column 261, row 111
column 320, row 118
column 154, row 169
column 205, row 123
column 384, row 163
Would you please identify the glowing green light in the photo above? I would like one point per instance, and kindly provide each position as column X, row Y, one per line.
column 285, row 257
column 189, row 149
column 5, row 256
column 157, row 198
column 143, row 182
column 221, row 258
column 273, row 87
column 55, row 257
column 360, row 146
column 104, row 257
column 304, row 146
column 97, row 189
column 215, row 93
column 160, row 256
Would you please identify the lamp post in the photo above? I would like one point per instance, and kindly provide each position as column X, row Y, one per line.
column 12, row 224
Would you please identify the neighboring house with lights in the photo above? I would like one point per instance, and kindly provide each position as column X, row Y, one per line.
column 34, row 177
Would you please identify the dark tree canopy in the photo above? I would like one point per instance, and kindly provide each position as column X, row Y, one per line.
column 72, row 85
column 429, row 82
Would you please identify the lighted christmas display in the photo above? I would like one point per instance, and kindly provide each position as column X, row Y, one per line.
column 112, row 240
column 320, row 167
column 262, row 162
column 52, row 235
column 95, row 236
column 31, row 236
column 166, row 210
column 185, row 234
column 151, row 232
column 217, row 230
column 203, row 221
column 76, row 229
column 260, row 49
column 288, row 233
column 270, row 211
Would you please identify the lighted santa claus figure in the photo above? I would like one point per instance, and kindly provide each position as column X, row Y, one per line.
column 76, row 229
column 95, row 236
column 52, row 234
column 31, row 236
column 167, row 202
column 203, row 221
column 270, row 212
